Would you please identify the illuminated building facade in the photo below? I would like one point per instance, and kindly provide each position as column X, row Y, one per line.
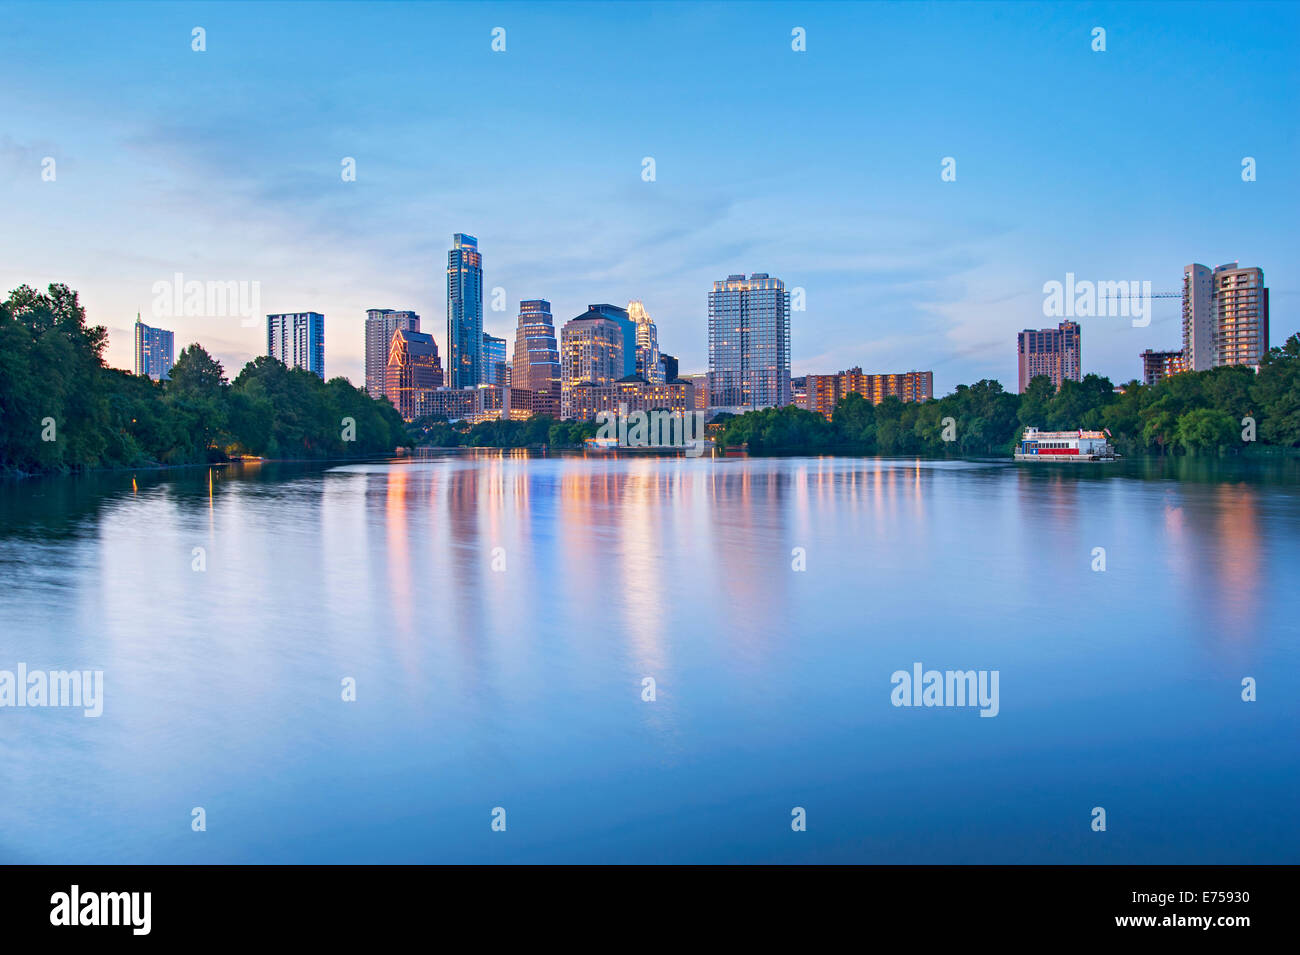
column 413, row 369
column 153, row 351
column 749, row 343
column 592, row 351
column 298, row 340
column 1157, row 365
column 1054, row 352
column 464, row 312
column 380, row 325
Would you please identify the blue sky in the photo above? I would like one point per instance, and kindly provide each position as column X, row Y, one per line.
column 820, row 167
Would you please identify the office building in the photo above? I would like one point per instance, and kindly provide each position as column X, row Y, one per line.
column 536, row 367
column 749, row 343
column 647, row 344
column 495, row 369
column 413, row 369
column 593, row 349
column 298, row 340
column 464, row 312
column 669, row 365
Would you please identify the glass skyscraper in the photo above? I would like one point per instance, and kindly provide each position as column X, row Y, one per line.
column 153, row 351
column 749, row 342
column 624, row 321
column 495, row 369
column 647, row 344
column 464, row 313
column 298, row 340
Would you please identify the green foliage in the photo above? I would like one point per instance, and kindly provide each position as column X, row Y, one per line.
column 53, row 380
column 1192, row 413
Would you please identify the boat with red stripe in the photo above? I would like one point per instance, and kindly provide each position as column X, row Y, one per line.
column 1068, row 447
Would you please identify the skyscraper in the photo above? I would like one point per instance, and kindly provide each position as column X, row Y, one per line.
column 624, row 321
column 592, row 349
column 298, row 340
column 647, row 344
column 413, row 369
column 153, row 351
column 1054, row 352
column 749, row 342
column 380, row 325
column 1225, row 316
column 495, row 369
column 537, row 356
column 464, row 312
column 669, row 365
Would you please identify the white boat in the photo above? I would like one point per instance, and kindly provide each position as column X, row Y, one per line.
column 1066, row 447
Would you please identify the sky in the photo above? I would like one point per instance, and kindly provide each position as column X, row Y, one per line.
column 821, row 167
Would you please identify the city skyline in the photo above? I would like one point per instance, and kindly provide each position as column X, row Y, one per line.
column 900, row 268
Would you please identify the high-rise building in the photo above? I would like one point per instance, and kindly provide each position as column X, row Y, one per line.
column 1198, row 318
column 647, row 344
column 413, row 368
column 624, row 321
column 749, row 342
column 298, row 340
column 1161, row 364
column 593, row 347
column 669, row 365
column 536, row 366
column 1241, row 316
column 380, row 325
column 1225, row 316
column 464, row 312
column 1054, row 352
column 153, row 351
column 495, row 369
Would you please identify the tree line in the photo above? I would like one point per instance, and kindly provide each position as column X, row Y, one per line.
column 62, row 408
column 435, row 431
column 1224, row 410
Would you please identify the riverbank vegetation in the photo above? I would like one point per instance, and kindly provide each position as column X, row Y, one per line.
column 1208, row 412
column 62, row 408
column 436, row 432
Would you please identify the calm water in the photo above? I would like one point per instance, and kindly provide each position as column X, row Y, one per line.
column 521, row 688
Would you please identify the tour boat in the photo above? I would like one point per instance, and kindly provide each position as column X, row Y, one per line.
column 1069, row 447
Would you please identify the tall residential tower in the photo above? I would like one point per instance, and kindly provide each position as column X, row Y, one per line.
column 153, row 351
column 1225, row 316
column 380, row 325
column 298, row 340
column 1054, row 352
column 749, row 342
